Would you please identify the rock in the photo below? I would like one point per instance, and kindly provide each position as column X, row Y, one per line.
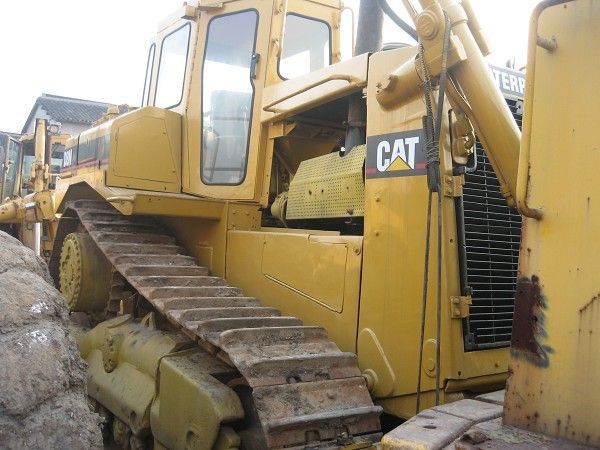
column 14, row 255
column 43, row 399
column 27, row 298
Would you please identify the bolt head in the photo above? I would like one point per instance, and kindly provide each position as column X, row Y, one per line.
column 427, row 25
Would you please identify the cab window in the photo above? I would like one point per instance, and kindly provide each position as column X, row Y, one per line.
column 86, row 150
column 12, row 172
column 306, row 46
column 28, row 161
column 171, row 69
column 148, row 78
column 58, row 153
column 227, row 97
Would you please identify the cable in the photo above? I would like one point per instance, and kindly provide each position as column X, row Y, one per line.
column 432, row 155
column 440, row 107
column 424, row 302
column 384, row 5
column 429, row 137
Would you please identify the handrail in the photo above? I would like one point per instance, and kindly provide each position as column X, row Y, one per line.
column 524, row 154
column 333, row 77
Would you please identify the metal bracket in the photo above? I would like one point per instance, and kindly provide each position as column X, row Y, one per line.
column 453, row 185
column 459, row 307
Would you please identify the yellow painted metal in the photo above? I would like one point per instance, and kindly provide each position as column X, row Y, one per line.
column 491, row 118
column 327, row 11
column 403, row 84
column 366, row 291
column 326, row 260
column 166, row 28
column 304, row 274
column 206, row 240
column 249, row 188
column 126, row 388
column 12, row 211
column 89, row 183
column 33, row 208
column 191, row 405
column 228, row 439
column 556, row 338
column 329, row 186
column 475, row 28
column 392, row 275
column 39, row 170
column 145, row 151
column 486, row 108
column 150, row 203
column 292, row 96
column 143, row 377
column 185, row 11
column 84, row 274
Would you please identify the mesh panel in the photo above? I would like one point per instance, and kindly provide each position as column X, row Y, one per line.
column 492, row 238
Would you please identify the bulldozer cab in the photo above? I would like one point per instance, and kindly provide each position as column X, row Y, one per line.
column 213, row 70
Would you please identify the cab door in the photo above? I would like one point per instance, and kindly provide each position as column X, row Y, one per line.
column 221, row 149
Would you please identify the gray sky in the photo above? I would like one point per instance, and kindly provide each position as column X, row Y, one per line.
column 97, row 50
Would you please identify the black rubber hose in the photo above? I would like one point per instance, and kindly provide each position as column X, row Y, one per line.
column 384, row 5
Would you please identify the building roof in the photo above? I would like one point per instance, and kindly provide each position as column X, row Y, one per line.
column 11, row 134
column 67, row 109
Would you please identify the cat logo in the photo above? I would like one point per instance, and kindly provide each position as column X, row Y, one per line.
column 395, row 155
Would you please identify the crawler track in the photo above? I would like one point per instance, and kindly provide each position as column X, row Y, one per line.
column 305, row 391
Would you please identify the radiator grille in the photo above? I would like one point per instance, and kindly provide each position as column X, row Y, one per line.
column 492, row 239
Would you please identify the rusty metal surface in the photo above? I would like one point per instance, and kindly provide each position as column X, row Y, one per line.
column 529, row 322
column 305, row 391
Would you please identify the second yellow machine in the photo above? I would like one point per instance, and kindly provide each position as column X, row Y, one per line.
column 253, row 239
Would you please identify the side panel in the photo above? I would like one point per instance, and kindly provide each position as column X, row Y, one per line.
column 394, row 253
column 314, row 277
column 145, row 151
column 556, row 333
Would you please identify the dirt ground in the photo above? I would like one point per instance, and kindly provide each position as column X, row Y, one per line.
column 42, row 377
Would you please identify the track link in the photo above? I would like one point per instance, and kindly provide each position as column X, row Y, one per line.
column 306, row 392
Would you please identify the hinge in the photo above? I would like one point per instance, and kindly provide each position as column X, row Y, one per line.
column 453, row 185
column 459, row 307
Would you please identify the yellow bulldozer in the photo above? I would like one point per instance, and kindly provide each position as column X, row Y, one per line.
column 280, row 249
column 30, row 167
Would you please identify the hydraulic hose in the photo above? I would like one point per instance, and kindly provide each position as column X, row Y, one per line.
column 384, row 5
